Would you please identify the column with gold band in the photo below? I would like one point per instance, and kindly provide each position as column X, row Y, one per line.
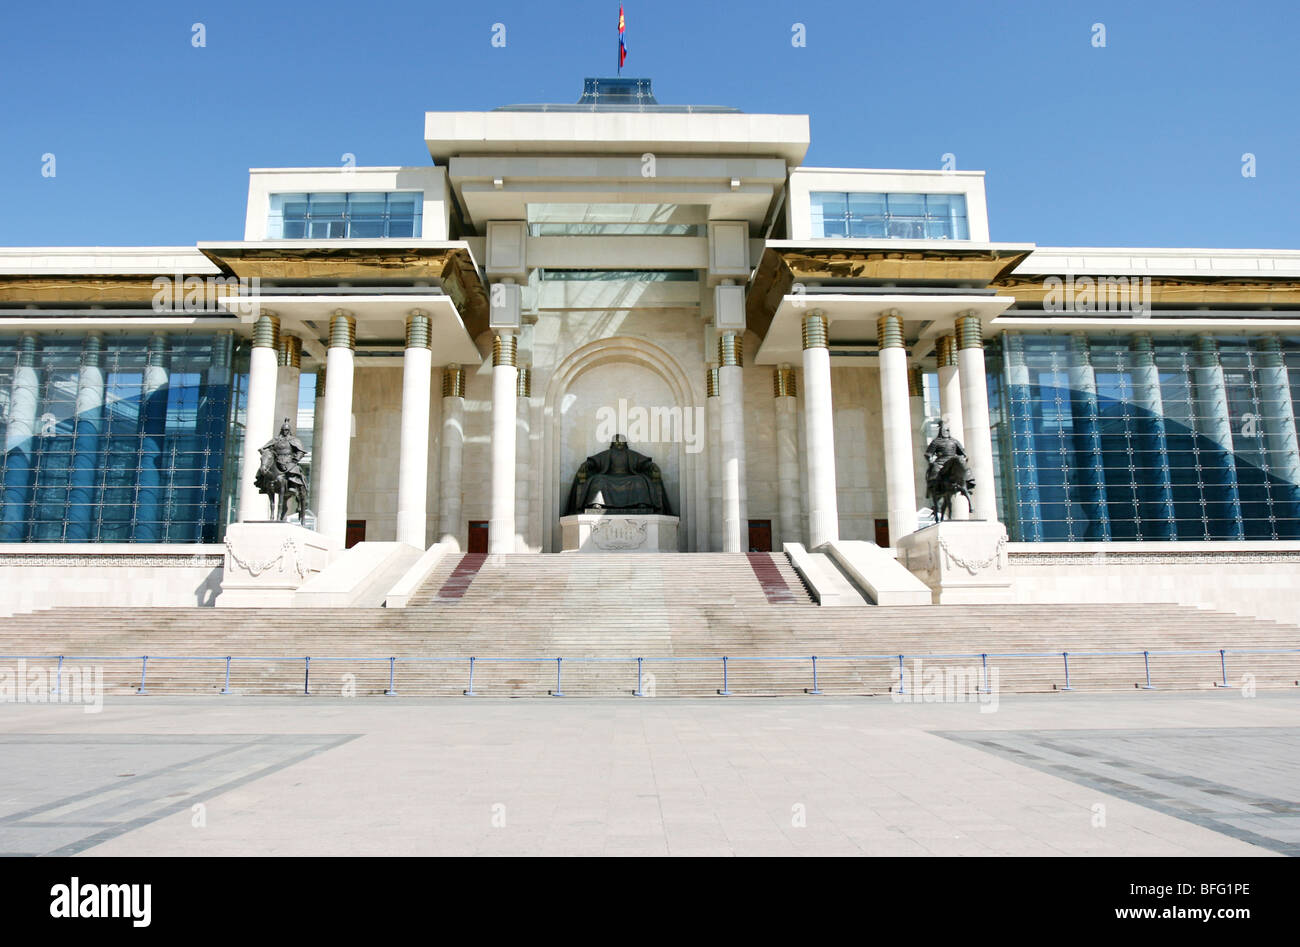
column 819, row 433
column 896, row 417
column 259, row 419
column 920, row 429
column 978, row 439
column 784, row 386
column 713, row 409
column 317, row 439
column 950, row 412
column 505, row 380
column 336, row 451
column 413, row 459
column 450, row 456
column 731, row 397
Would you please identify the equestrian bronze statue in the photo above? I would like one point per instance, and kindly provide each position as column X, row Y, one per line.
column 280, row 476
column 946, row 474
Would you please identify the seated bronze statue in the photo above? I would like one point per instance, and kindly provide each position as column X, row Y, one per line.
column 618, row 480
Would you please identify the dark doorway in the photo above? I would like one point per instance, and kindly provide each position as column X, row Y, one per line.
column 882, row 533
column 478, row 537
column 760, row 535
column 356, row 533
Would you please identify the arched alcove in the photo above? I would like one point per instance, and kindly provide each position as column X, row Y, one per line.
column 582, row 401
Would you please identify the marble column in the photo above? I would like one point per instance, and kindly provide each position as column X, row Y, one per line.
column 819, row 432
column 332, row 517
column 731, row 395
column 1028, row 511
column 317, row 441
column 713, row 407
column 151, row 499
column 86, row 443
column 450, row 456
column 1088, row 462
column 24, row 393
column 896, row 415
column 505, row 382
column 975, row 414
column 523, row 455
column 259, row 414
column 1214, row 430
column 413, row 457
column 921, row 433
column 288, row 375
column 784, row 384
column 950, row 402
column 1158, row 503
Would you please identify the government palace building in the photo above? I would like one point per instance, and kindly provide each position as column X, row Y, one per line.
column 604, row 350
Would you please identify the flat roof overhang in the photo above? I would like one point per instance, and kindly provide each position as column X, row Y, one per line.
column 447, row 134
column 380, row 319
column 448, row 265
column 917, row 263
column 1170, row 290
column 852, row 319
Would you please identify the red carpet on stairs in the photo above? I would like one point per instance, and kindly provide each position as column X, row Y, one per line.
column 458, row 582
column 770, row 578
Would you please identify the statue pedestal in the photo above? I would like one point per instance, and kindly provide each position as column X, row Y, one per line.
column 619, row 532
column 964, row 562
column 266, row 562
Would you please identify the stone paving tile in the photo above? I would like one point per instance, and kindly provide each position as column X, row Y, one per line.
column 675, row 777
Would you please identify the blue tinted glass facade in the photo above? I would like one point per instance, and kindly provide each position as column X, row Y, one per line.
column 896, row 216
column 1148, row 436
column 115, row 438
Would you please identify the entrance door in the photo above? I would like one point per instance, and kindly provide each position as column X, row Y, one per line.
column 882, row 533
column 356, row 533
column 760, row 535
column 478, row 536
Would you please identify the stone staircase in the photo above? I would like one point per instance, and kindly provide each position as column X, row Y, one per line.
column 611, row 609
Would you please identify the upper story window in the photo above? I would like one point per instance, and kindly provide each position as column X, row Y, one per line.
column 354, row 216
column 898, row 216
column 612, row 220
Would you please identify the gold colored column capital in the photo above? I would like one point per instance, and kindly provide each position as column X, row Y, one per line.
column 711, row 381
column 453, row 381
column 970, row 331
column 889, row 331
column 816, row 331
column 785, row 382
column 731, row 350
column 524, row 383
column 343, row 330
column 418, row 329
column 289, row 352
column 505, row 349
column 266, row 332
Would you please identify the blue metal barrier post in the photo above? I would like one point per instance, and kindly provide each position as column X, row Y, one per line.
column 637, row 692
column 470, row 692
column 1146, row 662
column 306, row 677
column 815, row 689
column 725, row 692
column 144, row 670
column 902, row 686
column 558, row 692
column 58, row 679
column 392, row 691
column 1223, row 669
column 1066, row 656
column 226, row 688
column 984, row 670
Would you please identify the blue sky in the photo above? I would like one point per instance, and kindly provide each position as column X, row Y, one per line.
column 1139, row 143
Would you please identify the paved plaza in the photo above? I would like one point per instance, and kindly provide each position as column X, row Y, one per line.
column 1142, row 774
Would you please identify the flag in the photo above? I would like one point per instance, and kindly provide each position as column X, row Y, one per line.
column 622, row 46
